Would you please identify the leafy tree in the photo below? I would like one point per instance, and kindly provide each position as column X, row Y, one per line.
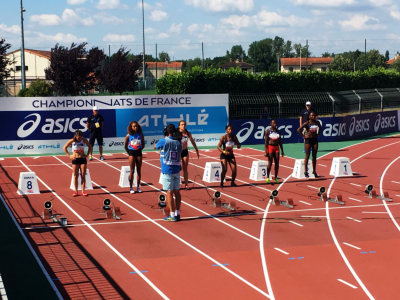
column 74, row 69
column 23, row 92
column 339, row 63
column 237, row 52
column 395, row 65
column 304, row 50
column 163, row 56
column 4, row 61
column 39, row 88
column 120, row 74
column 217, row 61
column 287, row 50
column 387, row 57
column 327, row 54
column 191, row 63
column 374, row 58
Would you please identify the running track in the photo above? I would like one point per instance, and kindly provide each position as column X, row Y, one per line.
column 315, row 251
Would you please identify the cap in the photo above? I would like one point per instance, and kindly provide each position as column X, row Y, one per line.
column 96, row 108
column 308, row 103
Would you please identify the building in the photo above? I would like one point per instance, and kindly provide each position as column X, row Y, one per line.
column 390, row 61
column 36, row 61
column 244, row 66
column 162, row 68
column 311, row 63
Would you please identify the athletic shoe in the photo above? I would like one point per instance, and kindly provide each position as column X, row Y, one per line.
column 304, row 150
column 139, row 190
column 267, row 180
column 170, row 219
column 187, row 188
column 221, row 185
column 315, row 174
column 178, row 217
column 277, row 180
column 306, row 175
column 132, row 191
column 90, row 157
column 102, row 158
column 233, row 183
column 84, row 194
column 75, row 194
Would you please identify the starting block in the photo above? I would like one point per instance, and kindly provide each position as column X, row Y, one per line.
column 259, row 170
column 324, row 197
column 124, row 177
column 288, row 203
column 369, row 189
column 48, row 214
column 212, row 172
column 341, row 167
column 28, row 183
column 162, row 204
column 109, row 212
column 217, row 202
column 299, row 169
column 88, row 180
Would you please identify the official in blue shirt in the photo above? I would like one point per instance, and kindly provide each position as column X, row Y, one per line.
column 171, row 149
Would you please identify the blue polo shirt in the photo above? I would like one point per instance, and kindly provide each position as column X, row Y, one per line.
column 169, row 168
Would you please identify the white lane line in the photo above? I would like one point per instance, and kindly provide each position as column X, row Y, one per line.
column 353, row 219
column 312, row 187
column 350, row 285
column 356, row 184
column 280, row 250
column 398, row 195
column 396, row 182
column 322, row 165
column 3, row 294
column 305, row 202
column 374, row 212
column 252, row 156
column 177, row 237
column 296, row 223
column 355, row 199
column 352, row 246
column 99, row 235
column 36, row 157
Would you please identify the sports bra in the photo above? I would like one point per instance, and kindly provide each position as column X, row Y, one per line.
column 184, row 139
column 312, row 128
column 78, row 146
column 274, row 135
column 135, row 141
column 229, row 144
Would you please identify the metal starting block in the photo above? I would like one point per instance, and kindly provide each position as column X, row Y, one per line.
column 109, row 212
column 369, row 189
column 162, row 204
column 217, row 202
column 288, row 203
column 48, row 214
column 324, row 197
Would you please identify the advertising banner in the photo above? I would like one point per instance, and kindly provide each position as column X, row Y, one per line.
column 251, row 132
column 43, row 125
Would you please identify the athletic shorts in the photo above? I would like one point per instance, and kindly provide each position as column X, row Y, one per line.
column 79, row 161
column 171, row 182
column 311, row 141
column 227, row 157
column 135, row 153
column 184, row 153
column 96, row 135
column 273, row 148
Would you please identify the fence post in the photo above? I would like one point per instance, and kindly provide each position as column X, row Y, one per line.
column 279, row 104
column 359, row 102
column 333, row 104
column 381, row 99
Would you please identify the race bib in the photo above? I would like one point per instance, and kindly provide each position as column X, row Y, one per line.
column 97, row 124
column 174, row 155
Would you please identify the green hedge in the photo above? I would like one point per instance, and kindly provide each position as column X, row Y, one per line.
column 214, row 81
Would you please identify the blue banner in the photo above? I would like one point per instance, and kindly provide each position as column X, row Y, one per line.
column 251, row 132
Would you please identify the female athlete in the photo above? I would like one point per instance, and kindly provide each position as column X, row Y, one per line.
column 272, row 143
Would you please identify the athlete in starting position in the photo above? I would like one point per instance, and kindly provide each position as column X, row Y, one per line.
column 134, row 144
column 185, row 153
column 272, row 143
column 78, row 158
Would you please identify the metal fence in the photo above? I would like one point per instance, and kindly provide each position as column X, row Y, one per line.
column 289, row 105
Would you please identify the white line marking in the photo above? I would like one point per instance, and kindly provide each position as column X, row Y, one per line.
column 36, row 157
column 3, row 294
column 353, row 219
column 312, row 187
column 322, row 165
column 355, row 199
column 100, row 236
column 356, row 184
column 1, row 158
column 352, row 246
column 350, row 285
column 398, row 195
column 396, row 182
column 305, row 202
column 374, row 212
column 296, row 223
column 280, row 250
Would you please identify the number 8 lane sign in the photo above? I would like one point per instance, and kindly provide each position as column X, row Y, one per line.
column 28, row 183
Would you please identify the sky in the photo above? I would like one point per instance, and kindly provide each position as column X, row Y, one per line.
column 186, row 28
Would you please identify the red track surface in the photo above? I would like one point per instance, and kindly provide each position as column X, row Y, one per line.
column 93, row 258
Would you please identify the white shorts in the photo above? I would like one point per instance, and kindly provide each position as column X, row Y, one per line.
column 171, row 181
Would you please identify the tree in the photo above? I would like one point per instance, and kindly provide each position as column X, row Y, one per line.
column 287, row 50
column 395, row 65
column 74, row 69
column 327, row 54
column 237, row 52
column 120, row 74
column 4, row 61
column 190, row 63
column 39, row 88
column 339, row 63
column 163, row 56
column 387, row 57
column 374, row 58
column 304, row 51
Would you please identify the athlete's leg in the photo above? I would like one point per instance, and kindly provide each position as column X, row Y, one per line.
column 223, row 173
column 185, row 163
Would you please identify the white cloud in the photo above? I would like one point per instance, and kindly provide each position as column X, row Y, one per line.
column 148, row 6
column 110, row 4
column 12, row 29
column 175, row 28
column 317, row 12
column 158, row 15
column 324, row 3
column 193, row 28
column 61, row 38
column 150, row 30
column 222, row 5
column 361, row 22
column 395, row 14
column 381, row 2
column 68, row 18
column 163, row 35
column 119, row 38
column 238, row 21
column 108, row 19
column 266, row 18
column 75, row 2
column 329, row 23
column 393, row 36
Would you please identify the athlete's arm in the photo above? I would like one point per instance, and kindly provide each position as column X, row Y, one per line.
column 126, row 143
column 266, row 137
column 280, row 144
column 69, row 143
column 193, row 143
column 90, row 148
column 143, row 141
column 238, row 145
column 221, row 140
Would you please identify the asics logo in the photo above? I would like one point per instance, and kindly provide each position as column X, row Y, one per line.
column 22, row 132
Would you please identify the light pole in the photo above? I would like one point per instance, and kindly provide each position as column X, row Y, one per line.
column 278, row 56
column 23, row 82
column 144, row 52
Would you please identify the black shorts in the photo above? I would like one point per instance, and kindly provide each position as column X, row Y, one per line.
column 96, row 135
column 79, row 161
column 227, row 157
column 135, row 153
column 311, row 141
column 184, row 152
